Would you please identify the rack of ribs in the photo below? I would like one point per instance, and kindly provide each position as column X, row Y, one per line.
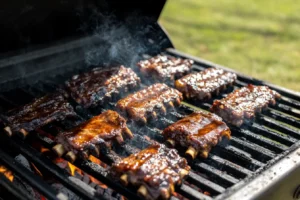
column 146, row 102
column 164, row 67
column 202, row 85
column 244, row 103
column 39, row 112
column 99, row 85
column 92, row 135
column 156, row 170
column 198, row 132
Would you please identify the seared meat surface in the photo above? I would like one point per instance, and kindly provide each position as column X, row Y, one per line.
column 164, row 67
column 89, row 136
column 146, row 102
column 198, row 132
column 155, row 170
column 98, row 85
column 243, row 103
column 203, row 84
column 38, row 113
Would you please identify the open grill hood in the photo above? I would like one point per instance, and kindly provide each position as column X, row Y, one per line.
column 28, row 23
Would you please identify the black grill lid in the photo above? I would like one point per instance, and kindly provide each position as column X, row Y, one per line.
column 31, row 22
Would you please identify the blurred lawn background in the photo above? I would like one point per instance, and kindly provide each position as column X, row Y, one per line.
column 260, row 38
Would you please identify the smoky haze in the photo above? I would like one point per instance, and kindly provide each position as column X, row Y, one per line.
column 110, row 42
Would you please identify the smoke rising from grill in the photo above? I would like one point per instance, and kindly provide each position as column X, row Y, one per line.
column 122, row 42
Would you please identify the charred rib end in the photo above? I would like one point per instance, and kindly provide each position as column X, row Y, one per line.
column 70, row 156
column 124, row 179
column 59, row 150
column 191, row 152
column 8, row 131
column 142, row 191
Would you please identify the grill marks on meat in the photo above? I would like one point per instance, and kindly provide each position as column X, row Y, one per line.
column 203, row 84
column 98, row 85
column 146, row 102
column 164, row 67
column 92, row 135
column 244, row 103
column 198, row 132
column 38, row 113
column 155, row 170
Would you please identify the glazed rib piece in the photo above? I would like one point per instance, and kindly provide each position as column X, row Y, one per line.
column 97, row 86
column 203, row 84
column 146, row 102
column 38, row 113
column 198, row 132
column 155, row 170
column 164, row 67
column 243, row 103
column 91, row 135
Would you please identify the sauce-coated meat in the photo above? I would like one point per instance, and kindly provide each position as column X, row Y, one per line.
column 144, row 103
column 164, row 67
column 198, row 132
column 90, row 135
column 38, row 113
column 98, row 85
column 243, row 103
column 202, row 85
column 155, row 170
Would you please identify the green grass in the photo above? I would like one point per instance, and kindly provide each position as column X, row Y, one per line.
column 260, row 38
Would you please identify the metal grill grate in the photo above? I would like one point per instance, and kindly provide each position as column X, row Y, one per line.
column 252, row 149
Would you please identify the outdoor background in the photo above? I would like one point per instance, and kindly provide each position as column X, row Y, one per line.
column 260, row 38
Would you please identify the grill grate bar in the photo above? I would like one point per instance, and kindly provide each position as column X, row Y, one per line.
column 13, row 189
column 289, row 102
column 284, row 139
column 283, row 118
column 45, row 164
column 280, row 127
column 205, row 184
column 265, row 142
column 25, row 174
column 224, row 179
column 288, row 110
column 258, row 152
column 228, row 166
column 239, row 156
column 192, row 194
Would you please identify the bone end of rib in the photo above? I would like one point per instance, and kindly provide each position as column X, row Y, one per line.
column 171, row 142
column 192, row 152
column 95, row 151
column 143, row 120
column 178, row 101
column 163, row 110
column 23, row 132
column 70, row 156
column 154, row 115
column 142, row 191
column 59, row 150
column 124, row 179
column 183, row 173
column 171, row 104
column 120, row 139
column 204, row 154
column 164, row 193
column 128, row 132
column 8, row 131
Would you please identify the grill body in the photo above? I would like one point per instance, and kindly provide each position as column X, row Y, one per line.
column 255, row 164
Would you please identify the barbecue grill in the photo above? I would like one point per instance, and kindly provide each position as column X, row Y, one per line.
column 44, row 43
